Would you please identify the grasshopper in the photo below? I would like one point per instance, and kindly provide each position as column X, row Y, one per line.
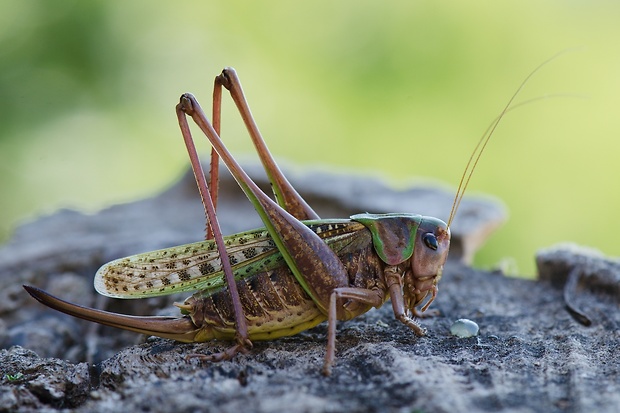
column 296, row 272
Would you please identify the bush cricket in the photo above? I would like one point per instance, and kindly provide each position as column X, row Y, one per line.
column 296, row 272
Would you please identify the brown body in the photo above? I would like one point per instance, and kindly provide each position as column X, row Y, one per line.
column 276, row 305
column 317, row 270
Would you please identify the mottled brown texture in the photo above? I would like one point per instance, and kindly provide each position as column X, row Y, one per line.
column 269, row 299
column 274, row 300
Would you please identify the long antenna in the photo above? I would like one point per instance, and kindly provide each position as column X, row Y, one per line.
column 484, row 140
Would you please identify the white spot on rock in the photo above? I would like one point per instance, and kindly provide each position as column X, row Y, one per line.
column 464, row 328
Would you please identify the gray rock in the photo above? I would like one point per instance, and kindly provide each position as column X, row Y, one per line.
column 584, row 274
column 29, row 382
column 530, row 355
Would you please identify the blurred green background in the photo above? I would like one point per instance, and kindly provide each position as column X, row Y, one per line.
column 402, row 89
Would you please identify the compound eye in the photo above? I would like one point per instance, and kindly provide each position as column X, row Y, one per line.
column 431, row 241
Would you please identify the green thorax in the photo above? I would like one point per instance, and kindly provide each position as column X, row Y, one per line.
column 393, row 235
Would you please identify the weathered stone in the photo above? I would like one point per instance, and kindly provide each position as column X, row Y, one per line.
column 584, row 274
column 530, row 354
column 30, row 383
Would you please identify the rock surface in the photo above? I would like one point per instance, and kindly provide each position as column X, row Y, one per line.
column 532, row 353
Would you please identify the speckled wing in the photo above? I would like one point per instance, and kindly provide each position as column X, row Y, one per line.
column 197, row 266
column 187, row 267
